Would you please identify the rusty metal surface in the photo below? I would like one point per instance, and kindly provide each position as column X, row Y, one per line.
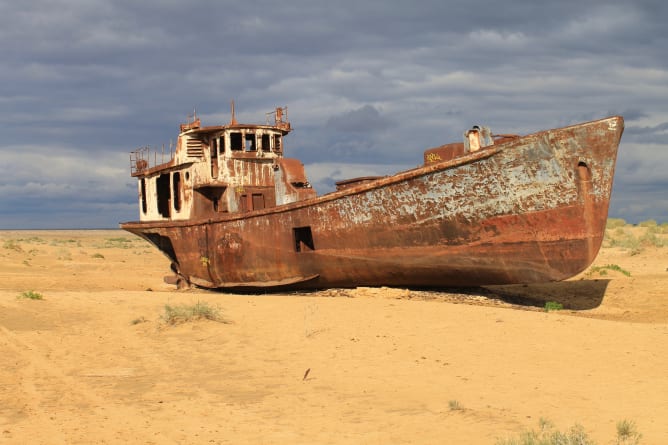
column 524, row 209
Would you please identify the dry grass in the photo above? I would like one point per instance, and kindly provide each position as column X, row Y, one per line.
column 546, row 434
column 635, row 238
column 174, row 315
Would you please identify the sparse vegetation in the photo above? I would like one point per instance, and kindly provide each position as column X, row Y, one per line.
column 625, row 240
column 627, row 433
column 184, row 313
column 602, row 270
column 30, row 295
column 66, row 242
column 12, row 245
column 64, row 254
column 553, row 306
column 663, row 227
column 138, row 320
column 613, row 223
column 119, row 242
column 651, row 238
column 635, row 238
column 97, row 255
column 454, row 405
column 648, row 223
column 547, row 435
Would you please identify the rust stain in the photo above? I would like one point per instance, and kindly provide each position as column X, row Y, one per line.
column 231, row 211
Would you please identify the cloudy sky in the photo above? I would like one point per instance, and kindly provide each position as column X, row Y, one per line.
column 369, row 85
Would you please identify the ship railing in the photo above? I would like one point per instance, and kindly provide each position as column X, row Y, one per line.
column 279, row 117
column 145, row 158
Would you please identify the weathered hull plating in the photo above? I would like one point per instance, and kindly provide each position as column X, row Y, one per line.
column 530, row 209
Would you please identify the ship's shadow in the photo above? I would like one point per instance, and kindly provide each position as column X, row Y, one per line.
column 574, row 295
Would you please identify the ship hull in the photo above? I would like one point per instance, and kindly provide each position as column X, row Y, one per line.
column 531, row 209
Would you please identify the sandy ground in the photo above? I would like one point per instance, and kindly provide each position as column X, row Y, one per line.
column 93, row 362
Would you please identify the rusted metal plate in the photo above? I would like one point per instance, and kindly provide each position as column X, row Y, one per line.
column 524, row 209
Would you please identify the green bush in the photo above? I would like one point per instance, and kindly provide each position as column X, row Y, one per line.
column 30, row 295
column 603, row 270
column 553, row 306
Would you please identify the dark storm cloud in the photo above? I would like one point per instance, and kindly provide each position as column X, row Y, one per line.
column 369, row 85
column 656, row 134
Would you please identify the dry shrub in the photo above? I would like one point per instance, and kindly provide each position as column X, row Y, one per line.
column 184, row 313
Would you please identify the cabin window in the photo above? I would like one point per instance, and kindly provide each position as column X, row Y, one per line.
column 236, row 142
column 162, row 187
column 303, row 239
column 250, row 142
column 176, row 190
column 142, row 186
column 277, row 142
column 222, row 144
column 265, row 143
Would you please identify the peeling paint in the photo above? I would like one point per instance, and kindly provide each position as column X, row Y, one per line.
column 518, row 209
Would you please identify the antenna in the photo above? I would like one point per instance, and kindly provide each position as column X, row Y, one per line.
column 234, row 119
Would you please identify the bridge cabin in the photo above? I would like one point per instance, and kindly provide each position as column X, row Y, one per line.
column 219, row 169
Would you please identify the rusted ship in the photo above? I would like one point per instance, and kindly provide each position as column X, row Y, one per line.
column 230, row 211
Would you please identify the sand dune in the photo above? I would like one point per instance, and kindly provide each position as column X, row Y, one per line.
column 93, row 361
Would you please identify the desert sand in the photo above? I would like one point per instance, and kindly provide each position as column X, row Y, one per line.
column 95, row 362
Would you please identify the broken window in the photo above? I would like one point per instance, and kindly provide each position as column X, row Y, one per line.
column 236, row 142
column 303, row 239
column 162, row 189
column 277, row 142
column 176, row 190
column 265, row 143
column 250, row 142
column 144, row 207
